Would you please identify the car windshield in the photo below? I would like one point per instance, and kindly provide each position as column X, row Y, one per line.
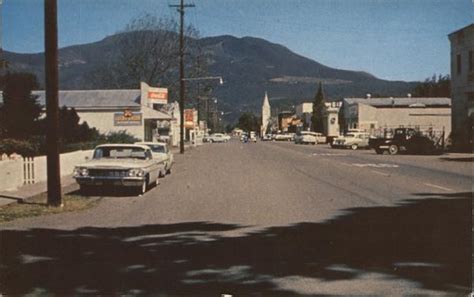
column 158, row 148
column 120, row 153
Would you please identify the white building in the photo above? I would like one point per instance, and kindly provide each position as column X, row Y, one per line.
column 304, row 111
column 374, row 114
column 462, row 86
column 266, row 114
column 118, row 110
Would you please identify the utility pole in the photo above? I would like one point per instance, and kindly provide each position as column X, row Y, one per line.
column 52, row 107
column 181, row 8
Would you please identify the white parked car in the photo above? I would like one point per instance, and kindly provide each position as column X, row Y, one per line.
column 161, row 153
column 123, row 165
column 218, row 137
column 353, row 140
column 284, row 137
column 305, row 137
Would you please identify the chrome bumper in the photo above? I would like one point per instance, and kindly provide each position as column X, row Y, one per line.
column 109, row 181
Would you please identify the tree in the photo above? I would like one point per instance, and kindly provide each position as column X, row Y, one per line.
column 249, row 122
column 147, row 50
column 20, row 111
column 318, row 110
column 434, row 87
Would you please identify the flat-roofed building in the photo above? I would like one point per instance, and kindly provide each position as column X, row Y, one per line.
column 375, row 114
column 462, row 86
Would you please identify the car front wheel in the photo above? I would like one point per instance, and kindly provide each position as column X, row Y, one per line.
column 354, row 147
column 393, row 149
column 144, row 186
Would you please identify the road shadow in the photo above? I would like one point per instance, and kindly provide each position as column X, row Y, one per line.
column 426, row 241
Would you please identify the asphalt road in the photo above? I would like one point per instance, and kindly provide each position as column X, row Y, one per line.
column 260, row 219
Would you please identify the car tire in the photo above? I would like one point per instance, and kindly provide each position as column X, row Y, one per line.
column 393, row 149
column 354, row 147
column 144, row 186
column 211, row 141
column 168, row 171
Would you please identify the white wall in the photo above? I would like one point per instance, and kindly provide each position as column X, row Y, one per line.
column 11, row 174
column 12, row 171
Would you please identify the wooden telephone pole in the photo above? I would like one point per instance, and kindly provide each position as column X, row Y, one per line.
column 181, row 8
column 52, row 107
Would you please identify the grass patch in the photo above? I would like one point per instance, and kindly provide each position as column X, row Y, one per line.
column 37, row 206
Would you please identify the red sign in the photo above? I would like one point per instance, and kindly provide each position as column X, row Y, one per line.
column 189, row 118
column 157, row 95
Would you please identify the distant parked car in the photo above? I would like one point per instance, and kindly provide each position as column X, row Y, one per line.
column 267, row 137
column 218, row 137
column 228, row 137
column 284, row 137
column 122, row 165
column 352, row 140
column 253, row 136
column 408, row 140
column 161, row 153
column 308, row 137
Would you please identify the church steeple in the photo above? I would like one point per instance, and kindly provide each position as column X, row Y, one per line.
column 266, row 113
column 265, row 100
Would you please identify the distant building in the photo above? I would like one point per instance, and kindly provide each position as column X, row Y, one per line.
column 266, row 115
column 375, row 114
column 289, row 122
column 304, row 111
column 462, row 86
column 331, row 119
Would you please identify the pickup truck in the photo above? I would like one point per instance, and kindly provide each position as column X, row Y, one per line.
column 409, row 141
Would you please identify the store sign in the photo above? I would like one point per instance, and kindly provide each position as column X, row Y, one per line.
column 189, row 122
column 157, row 95
column 128, row 118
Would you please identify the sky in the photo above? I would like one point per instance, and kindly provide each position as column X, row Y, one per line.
column 391, row 39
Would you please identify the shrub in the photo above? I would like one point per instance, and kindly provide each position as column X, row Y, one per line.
column 120, row 137
column 25, row 148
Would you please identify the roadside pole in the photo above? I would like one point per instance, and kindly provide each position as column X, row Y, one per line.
column 52, row 107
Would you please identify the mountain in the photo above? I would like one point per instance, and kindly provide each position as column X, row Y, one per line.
column 250, row 66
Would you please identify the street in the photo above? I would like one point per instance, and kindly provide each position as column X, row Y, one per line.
column 265, row 219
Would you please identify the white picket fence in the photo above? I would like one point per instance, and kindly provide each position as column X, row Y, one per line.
column 24, row 171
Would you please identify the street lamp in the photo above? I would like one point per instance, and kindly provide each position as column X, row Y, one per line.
column 181, row 104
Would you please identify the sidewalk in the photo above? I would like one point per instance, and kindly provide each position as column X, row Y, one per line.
column 28, row 191
column 460, row 157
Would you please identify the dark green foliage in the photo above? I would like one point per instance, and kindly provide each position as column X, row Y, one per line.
column 434, row 87
column 120, row 137
column 21, row 147
column 20, row 111
column 229, row 128
column 249, row 122
column 318, row 109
